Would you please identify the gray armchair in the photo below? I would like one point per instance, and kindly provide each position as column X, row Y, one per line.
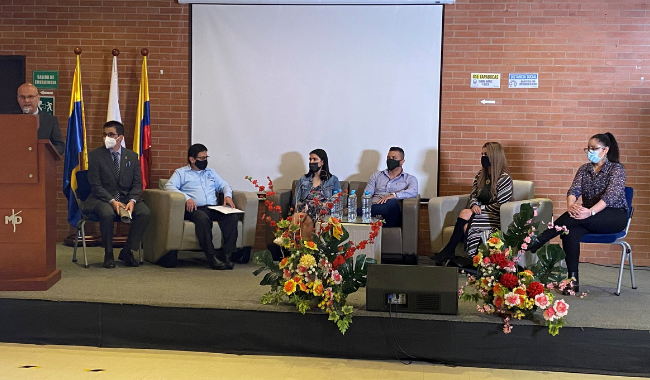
column 169, row 231
column 443, row 212
column 398, row 241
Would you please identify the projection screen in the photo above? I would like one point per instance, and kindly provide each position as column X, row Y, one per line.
column 270, row 83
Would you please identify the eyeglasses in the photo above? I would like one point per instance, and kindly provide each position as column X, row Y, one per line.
column 587, row 150
column 111, row 135
column 28, row 97
column 202, row 158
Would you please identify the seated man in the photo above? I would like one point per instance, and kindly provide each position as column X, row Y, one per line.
column 387, row 186
column 199, row 184
column 114, row 175
column 48, row 125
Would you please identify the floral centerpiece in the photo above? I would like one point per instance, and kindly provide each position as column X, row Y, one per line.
column 504, row 288
column 318, row 271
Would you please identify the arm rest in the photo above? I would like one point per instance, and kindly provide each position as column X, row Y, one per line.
column 248, row 202
column 544, row 212
column 443, row 212
column 165, row 229
column 410, row 222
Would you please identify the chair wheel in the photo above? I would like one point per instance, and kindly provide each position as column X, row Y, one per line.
column 618, row 294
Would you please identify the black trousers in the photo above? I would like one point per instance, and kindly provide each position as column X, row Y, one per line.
column 107, row 216
column 608, row 221
column 203, row 217
column 390, row 211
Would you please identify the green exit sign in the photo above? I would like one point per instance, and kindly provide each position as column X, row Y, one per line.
column 45, row 79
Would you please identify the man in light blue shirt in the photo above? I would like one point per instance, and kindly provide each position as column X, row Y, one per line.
column 387, row 186
column 200, row 184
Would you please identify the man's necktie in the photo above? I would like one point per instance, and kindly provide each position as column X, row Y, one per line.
column 116, row 165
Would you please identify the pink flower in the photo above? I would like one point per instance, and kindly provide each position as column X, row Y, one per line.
column 549, row 314
column 512, row 299
column 524, row 246
column 507, row 328
column 550, row 225
column 336, row 276
column 561, row 308
column 532, row 229
column 302, row 269
column 511, row 266
column 527, row 239
column 286, row 274
column 486, row 261
column 535, row 212
column 558, row 228
column 529, row 221
column 541, row 301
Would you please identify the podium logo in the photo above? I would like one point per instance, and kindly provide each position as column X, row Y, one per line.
column 14, row 218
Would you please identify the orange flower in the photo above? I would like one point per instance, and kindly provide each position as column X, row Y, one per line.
column 283, row 262
column 476, row 260
column 520, row 291
column 303, row 287
column 289, row 287
column 311, row 245
column 318, row 288
column 496, row 288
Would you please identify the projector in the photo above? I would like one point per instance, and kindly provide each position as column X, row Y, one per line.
column 412, row 289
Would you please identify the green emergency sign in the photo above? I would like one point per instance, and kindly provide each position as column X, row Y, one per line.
column 46, row 79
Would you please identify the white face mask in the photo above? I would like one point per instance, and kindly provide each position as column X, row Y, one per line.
column 109, row 142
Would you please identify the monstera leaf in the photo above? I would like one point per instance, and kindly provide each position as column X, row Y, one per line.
column 548, row 269
column 518, row 230
column 354, row 274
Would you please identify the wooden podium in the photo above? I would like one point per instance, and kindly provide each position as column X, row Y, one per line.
column 27, row 206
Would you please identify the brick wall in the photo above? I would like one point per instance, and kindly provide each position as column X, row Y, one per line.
column 590, row 55
column 48, row 31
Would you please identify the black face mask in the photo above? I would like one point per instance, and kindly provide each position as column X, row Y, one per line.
column 201, row 164
column 392, row 164
column 485, row 161
column 313, row 167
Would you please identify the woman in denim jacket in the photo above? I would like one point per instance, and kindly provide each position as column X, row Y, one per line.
column 313, row 188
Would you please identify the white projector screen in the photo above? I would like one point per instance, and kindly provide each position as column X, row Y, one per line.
column 270, row 83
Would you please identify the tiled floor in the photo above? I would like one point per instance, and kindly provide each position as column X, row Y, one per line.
column 19, row 362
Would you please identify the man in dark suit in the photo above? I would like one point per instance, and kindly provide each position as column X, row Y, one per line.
column 116, row 182
column 48, row 125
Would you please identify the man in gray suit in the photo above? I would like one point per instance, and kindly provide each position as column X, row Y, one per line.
column 48, row 125
column 116, row 182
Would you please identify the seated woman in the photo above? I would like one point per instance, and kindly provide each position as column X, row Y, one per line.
column 492, row 187
column 601, row 183
column 318, row 184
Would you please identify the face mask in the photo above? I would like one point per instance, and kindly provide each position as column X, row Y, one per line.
column 592, row 155
column 313, row 167
column 201, row 164
column 392, row 164
column 485, row 161
column 109, row 142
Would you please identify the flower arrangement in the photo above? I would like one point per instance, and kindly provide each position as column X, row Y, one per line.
column 318, row 271
column 504, row 288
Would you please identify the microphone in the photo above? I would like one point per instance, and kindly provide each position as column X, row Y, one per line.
column 26, row 110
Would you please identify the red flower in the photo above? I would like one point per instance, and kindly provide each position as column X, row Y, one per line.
column 498, row 302
column 316, row 201
column 509, row 280
column 535, row 288
column 270, row 193
column 499, row 259
column 270, row 208
column 255, row 182
column 362, row 244
column 350, row 252
column 330, row 205
column 338, row 261
column 267, row 203
column 272, row 223
column 278, row 209
column 262, row 188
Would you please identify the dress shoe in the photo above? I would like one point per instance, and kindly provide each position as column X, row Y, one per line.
column 442, row 258
column 228, row 261
column 127, row 257
column 215, row 263
column 574, row 286
column 109, row 263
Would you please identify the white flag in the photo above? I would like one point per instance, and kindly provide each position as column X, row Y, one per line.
column 113, row 112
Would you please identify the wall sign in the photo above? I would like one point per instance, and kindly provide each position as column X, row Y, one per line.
column 523, row 80
column 486, row 80
column 45, row 79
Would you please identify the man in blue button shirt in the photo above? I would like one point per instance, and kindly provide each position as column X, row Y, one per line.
column 387, row 186
column 200, row 184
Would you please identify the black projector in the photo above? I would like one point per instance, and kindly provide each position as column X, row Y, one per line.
column 412, row 289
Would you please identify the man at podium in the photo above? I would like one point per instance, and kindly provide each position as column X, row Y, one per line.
column 48, row 125
column 116, row 182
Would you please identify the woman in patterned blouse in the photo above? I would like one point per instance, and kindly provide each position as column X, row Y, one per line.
column 601, row 183
column 492, row 187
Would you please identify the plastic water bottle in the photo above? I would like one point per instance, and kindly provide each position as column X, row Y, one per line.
column 335, row 209
column 352, row 206
column 366, row 206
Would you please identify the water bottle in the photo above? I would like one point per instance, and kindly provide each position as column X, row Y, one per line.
column 339, row 204
column 352, row 207
column 366, row 206
column 334, row 210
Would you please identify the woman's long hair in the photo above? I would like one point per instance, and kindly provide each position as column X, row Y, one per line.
column 609, row 141
column 325, row 169
column 498, row 166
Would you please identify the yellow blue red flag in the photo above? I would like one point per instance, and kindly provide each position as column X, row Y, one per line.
column 142, row 135
column 76, row 153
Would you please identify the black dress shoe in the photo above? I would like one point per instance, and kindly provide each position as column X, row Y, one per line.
column 128, row 259
column 228, row 261
column 108, row 262
column 216, row 264
column 441, row 259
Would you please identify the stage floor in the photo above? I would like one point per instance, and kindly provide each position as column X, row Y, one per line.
column 193, row 285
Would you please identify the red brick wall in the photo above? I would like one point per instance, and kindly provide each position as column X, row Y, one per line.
column 48, row 31
column 590, row 56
